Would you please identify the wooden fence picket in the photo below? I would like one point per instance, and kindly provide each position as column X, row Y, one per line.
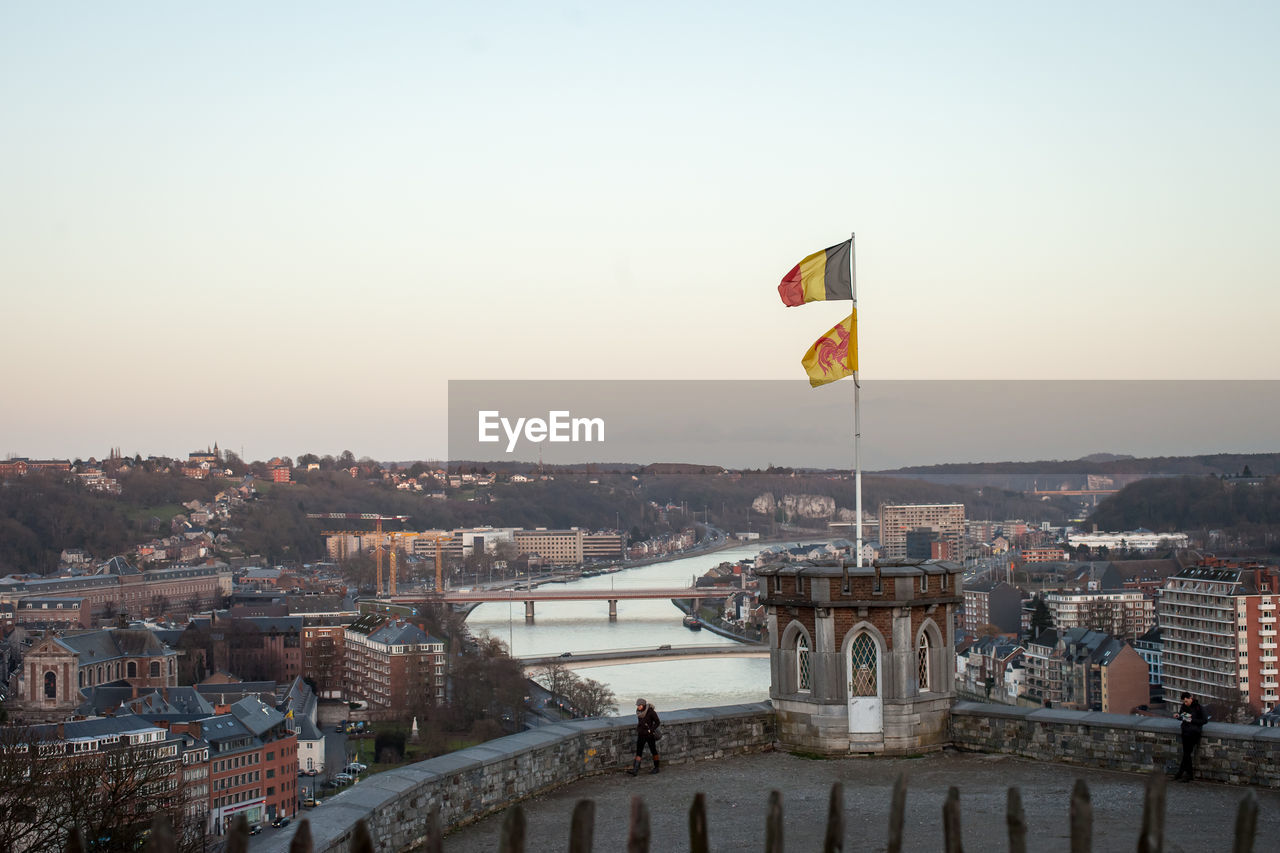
column 1016, row 819
column 513, row 838
column 1081, row 818
column 698, row 842
column 639, row 833
column 834, row 842
column 583, row 827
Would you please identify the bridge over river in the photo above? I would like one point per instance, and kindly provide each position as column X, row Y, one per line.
column 471, row 598
column 618, row 657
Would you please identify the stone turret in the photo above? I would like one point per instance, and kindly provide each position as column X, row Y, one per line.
column 860, row 657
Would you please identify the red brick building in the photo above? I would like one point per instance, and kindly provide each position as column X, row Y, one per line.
column 323, row 653
column 391, row 664
column 253, row 763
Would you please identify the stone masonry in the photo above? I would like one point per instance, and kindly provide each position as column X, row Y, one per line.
column 1238, row 755
column 472, row 783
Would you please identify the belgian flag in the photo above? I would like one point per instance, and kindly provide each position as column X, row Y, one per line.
column 822, row 276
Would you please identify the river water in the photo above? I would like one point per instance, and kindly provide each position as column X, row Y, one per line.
column 581, row 626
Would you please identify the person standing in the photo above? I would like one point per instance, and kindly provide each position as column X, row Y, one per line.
column 1193, row 720
column 646, row 733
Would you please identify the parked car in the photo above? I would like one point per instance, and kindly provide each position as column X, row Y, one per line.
column 281, row 820
column 255, row 829
column 310, row 803
column 344, row 779
column 355, row 767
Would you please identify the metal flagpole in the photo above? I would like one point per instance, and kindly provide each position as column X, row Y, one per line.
column 857, row 411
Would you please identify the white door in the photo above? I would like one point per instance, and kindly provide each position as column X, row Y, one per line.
column 865, row 706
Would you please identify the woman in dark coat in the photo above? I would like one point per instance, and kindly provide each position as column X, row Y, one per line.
column 646, row 727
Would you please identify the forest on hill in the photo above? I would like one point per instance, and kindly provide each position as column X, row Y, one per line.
column 1248, row 510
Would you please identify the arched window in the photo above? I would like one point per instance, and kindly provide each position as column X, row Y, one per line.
column 132, row 669
column 804, row 678
column 99, row 674
column 171, row 666
column 50, row 685
column 923, row 669
column 82, row 678
column 155, row 669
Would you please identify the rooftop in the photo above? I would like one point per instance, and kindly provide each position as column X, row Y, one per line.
column 1199, row 816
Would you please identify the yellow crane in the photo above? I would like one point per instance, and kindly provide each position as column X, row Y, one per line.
column 363, row 516
column 391, row 540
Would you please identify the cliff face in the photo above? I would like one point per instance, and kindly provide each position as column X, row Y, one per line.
column 802, row 506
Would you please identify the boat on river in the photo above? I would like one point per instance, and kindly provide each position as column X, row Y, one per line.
column 693, row 623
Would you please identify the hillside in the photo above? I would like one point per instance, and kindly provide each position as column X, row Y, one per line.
column 1193, row 503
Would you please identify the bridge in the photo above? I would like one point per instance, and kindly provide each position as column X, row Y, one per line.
column 618, row 657
column 530, row 597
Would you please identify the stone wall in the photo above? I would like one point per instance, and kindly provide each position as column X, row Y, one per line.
column 1239, row 755
column 472, row 783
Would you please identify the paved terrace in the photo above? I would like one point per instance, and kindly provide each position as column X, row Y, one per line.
column 1199, row 816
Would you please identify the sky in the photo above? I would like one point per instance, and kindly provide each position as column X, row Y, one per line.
column 286, row 227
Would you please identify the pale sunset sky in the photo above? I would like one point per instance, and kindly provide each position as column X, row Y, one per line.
column 285, row 227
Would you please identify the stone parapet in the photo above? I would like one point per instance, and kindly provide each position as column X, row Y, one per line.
column 1235, row 754
column 472, row 783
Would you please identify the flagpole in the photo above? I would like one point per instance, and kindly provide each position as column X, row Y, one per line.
column 857, row 412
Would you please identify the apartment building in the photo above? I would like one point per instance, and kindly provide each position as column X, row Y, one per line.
column 252, row 763
column 896, row 521
column 1218, row 624
column 1127, row 614
column 323, row 653
column 391, row 664
column 992, row 603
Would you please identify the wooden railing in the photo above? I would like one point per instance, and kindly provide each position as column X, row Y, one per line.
column 582, row 826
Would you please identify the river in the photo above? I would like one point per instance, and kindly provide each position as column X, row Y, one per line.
column 580, row 626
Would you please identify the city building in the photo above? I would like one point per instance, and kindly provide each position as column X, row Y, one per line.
column 57, row 667
column 1127, row 614
column 1135, row 540
column 253, row 763
column 392, row 665
column 1100, row 673
column 1043, row 554
column 1151, row 647
column 1218, row 623
column 945, row 520
column 992, row 603
column 57, row 613
column 323, row 652
column 120, row 589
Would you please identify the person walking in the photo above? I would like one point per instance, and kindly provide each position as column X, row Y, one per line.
column 646, row 733
column 1193, row 720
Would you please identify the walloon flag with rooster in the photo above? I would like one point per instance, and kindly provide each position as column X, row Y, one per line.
column 820, row 277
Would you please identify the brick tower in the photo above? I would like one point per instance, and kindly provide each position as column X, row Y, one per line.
column 861, row 658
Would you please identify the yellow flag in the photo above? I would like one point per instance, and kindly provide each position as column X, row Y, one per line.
column 834, row 355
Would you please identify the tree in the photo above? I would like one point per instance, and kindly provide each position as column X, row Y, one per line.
column 593, row 699
column 111, row 796
column 1041, row 618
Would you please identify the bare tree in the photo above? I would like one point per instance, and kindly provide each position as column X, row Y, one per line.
column 47, row 790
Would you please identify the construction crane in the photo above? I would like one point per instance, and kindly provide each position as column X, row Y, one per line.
column 365, row 516
column 390, row 539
